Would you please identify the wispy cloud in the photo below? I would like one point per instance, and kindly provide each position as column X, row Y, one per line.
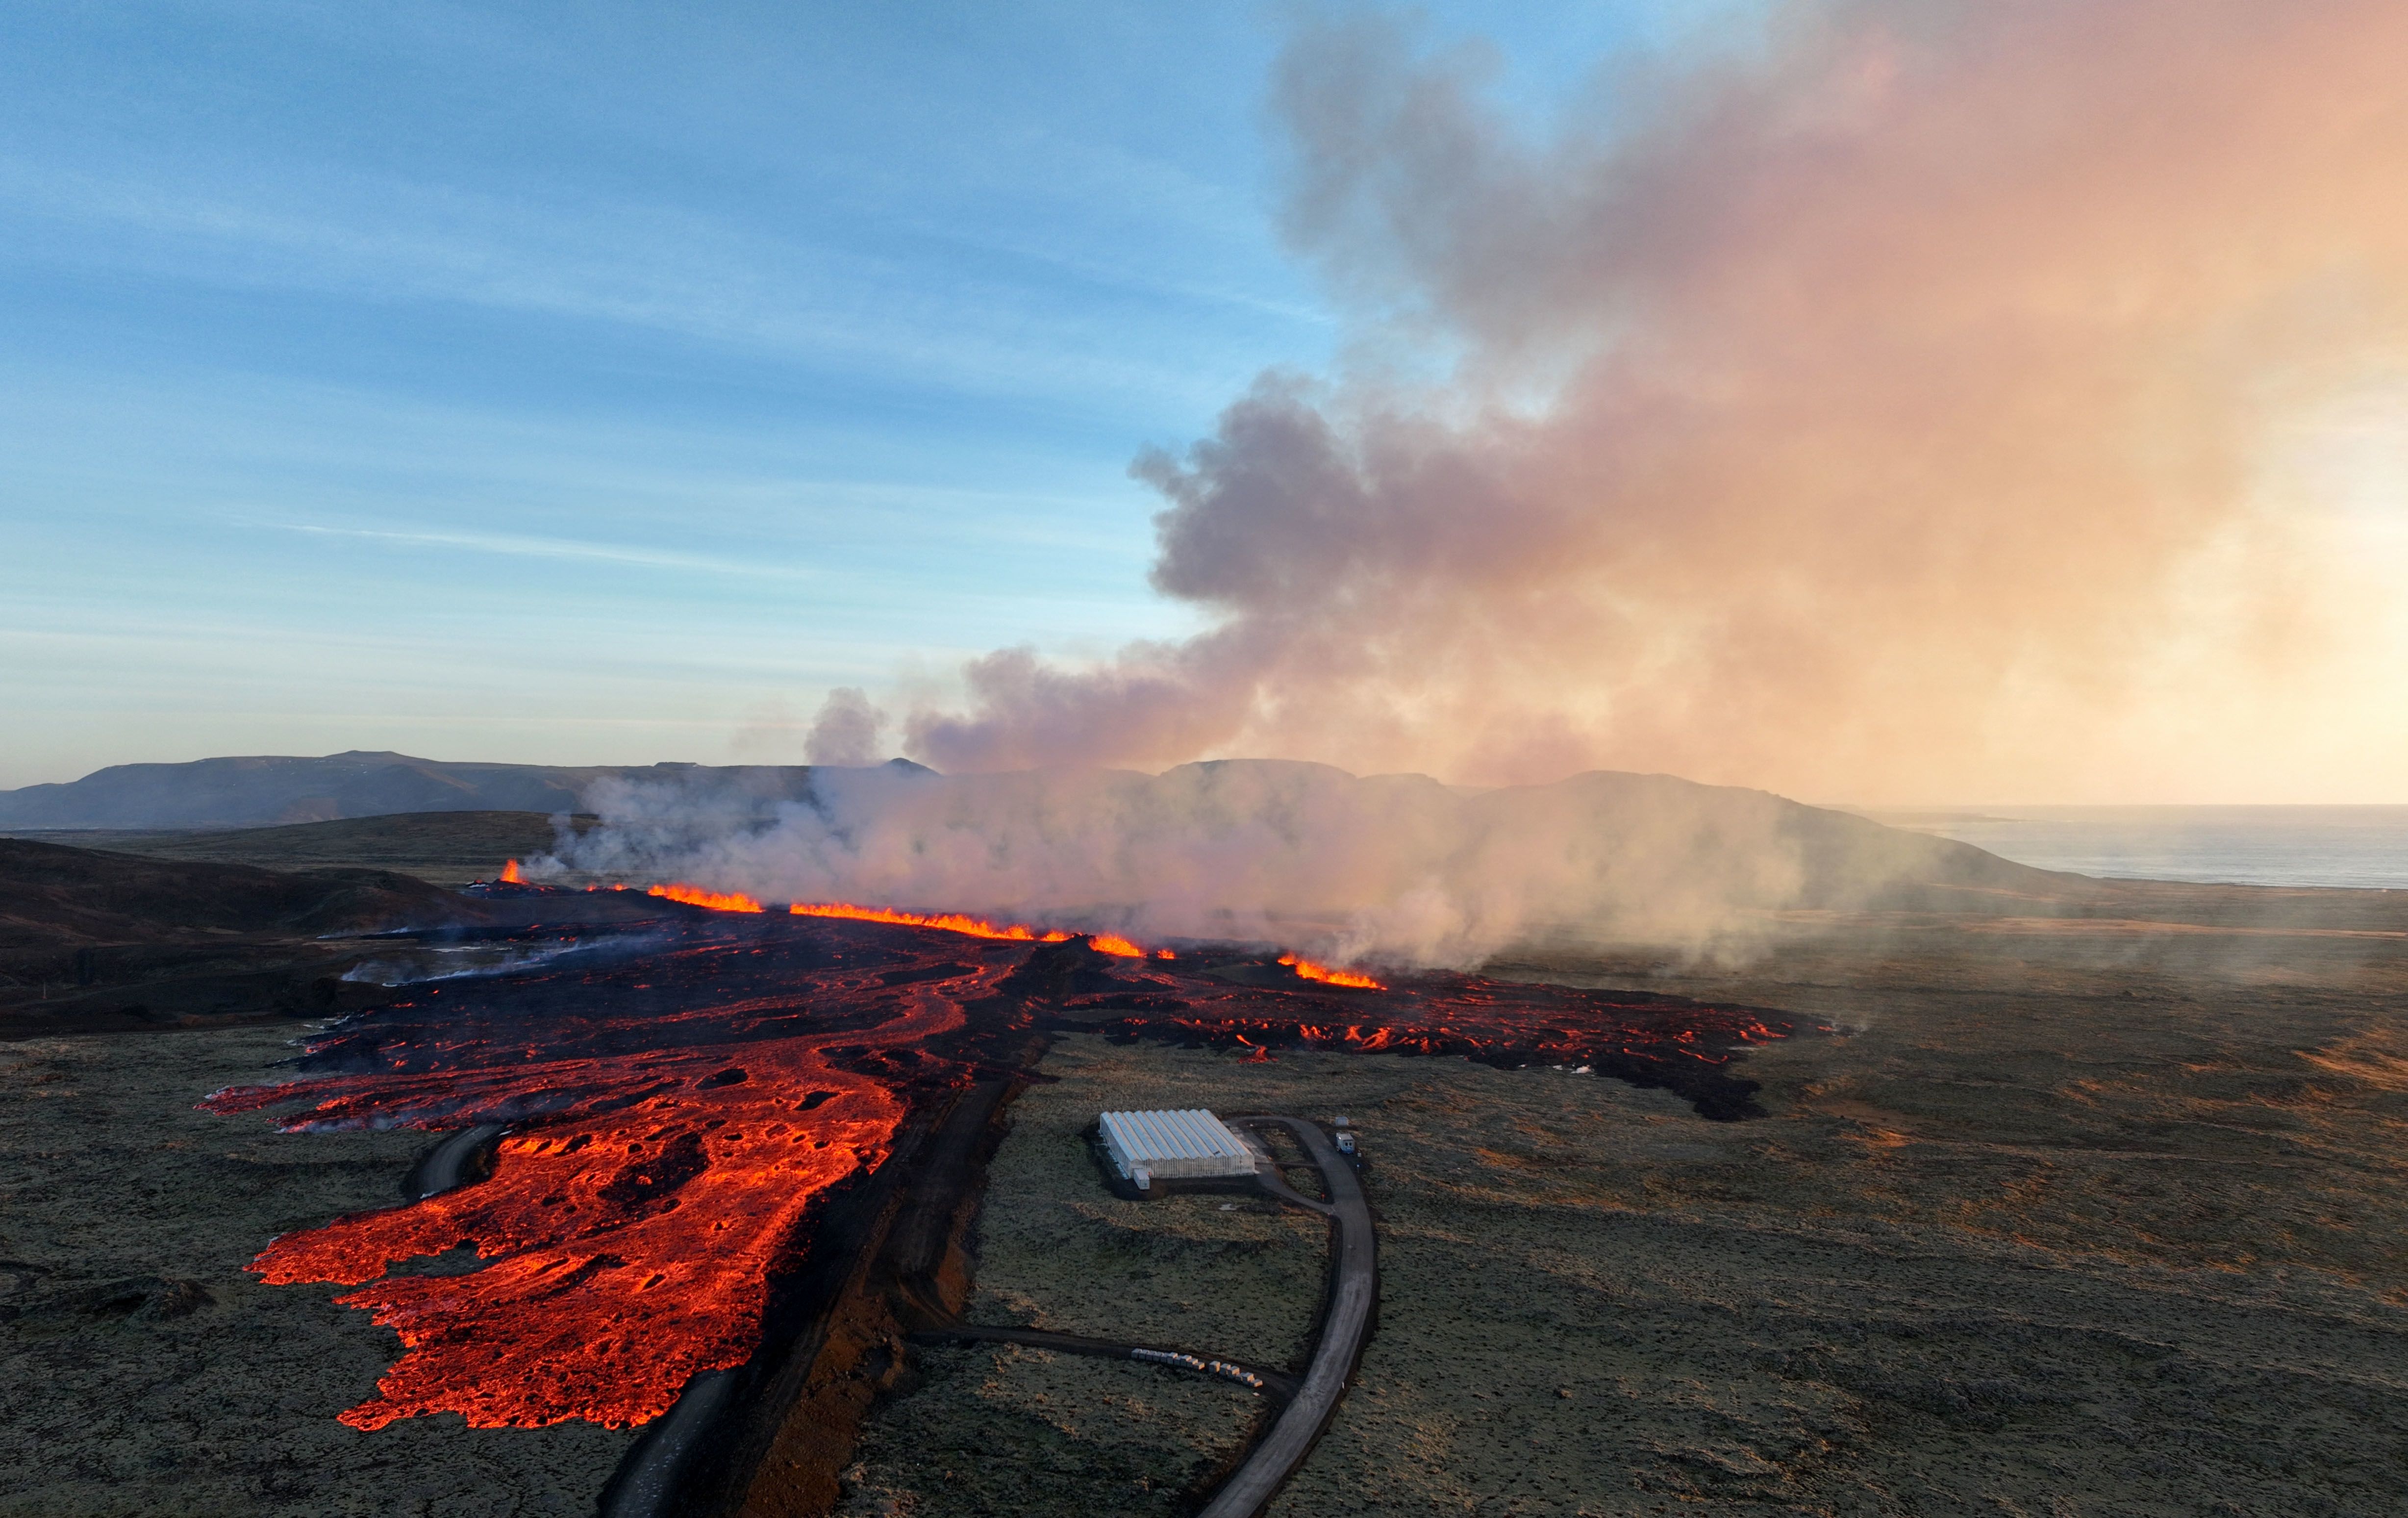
column 521, row 546
column 652, row 266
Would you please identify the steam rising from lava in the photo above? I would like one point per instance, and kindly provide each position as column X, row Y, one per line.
column 1885, row 410
column 1396, row 868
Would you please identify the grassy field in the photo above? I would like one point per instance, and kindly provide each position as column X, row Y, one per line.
column 151, row 1376
column 2027, row 1241
column 449, row 848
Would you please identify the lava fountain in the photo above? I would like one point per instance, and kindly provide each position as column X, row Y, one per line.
column 683, row 1096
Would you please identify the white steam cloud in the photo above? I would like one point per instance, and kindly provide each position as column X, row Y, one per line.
column 1895, row 411
column 1884, row 411
column 1394, row 868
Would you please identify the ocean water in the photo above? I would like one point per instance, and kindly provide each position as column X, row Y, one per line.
column 2352, row 846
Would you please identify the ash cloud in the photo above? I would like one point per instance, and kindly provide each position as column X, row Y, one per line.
column 1880, row 411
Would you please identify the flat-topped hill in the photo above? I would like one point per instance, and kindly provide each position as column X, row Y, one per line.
column 255, row 790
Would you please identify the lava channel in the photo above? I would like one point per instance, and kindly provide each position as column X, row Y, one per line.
column 679, row 1113
column 673, row 1122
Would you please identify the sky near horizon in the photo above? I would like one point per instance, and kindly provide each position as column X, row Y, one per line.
column 603, row 383
column 606, row 384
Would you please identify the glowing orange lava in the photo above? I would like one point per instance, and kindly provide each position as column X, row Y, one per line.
column 977, row 927
column 511, row 875
column 695, row 896
column 686, row 1102
column 641, row 1203
column 603, row 1300
column 1323, row 973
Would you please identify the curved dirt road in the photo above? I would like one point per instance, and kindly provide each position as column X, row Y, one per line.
column 1353, row 1292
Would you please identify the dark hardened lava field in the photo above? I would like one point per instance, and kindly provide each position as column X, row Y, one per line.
column 721, row 1123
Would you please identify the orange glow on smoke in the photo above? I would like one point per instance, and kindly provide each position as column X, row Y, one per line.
column 1323, row 973
column 695, row 896
column 511, row 875
column 977, row 927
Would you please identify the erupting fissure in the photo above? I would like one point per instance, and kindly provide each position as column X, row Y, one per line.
column 695, row 896
column 681, row 1109
column 1323, row 973
column 977, row 927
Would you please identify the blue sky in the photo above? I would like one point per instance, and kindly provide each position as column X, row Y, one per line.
column 592, row 383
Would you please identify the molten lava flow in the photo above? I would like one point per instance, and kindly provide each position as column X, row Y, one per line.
column 1257, row 1005
column 688, row 1103
column 511, row 875
column 977, row 927
column 695, row 896
column 1323, row 973
column 631, row 1248
column 674, row 1122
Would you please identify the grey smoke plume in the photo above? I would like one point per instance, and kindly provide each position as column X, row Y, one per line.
column 1883, row 411
column 846, row 730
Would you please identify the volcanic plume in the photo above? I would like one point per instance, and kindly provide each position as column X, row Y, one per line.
column 1902, row 399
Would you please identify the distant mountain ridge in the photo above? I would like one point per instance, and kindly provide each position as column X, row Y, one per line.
column 262, row 790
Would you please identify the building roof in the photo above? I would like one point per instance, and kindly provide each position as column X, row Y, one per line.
column 1192, row 1134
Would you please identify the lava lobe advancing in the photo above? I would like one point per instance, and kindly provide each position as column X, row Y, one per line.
column 683, row 1093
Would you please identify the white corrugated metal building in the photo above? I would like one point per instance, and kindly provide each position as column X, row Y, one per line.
column 1175, row 1146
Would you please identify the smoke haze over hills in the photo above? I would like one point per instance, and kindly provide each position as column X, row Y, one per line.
column 1398, row 868
column 1393, row 867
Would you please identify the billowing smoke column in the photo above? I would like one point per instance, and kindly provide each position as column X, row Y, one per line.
column 1890, row 405
column 1884, row 409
